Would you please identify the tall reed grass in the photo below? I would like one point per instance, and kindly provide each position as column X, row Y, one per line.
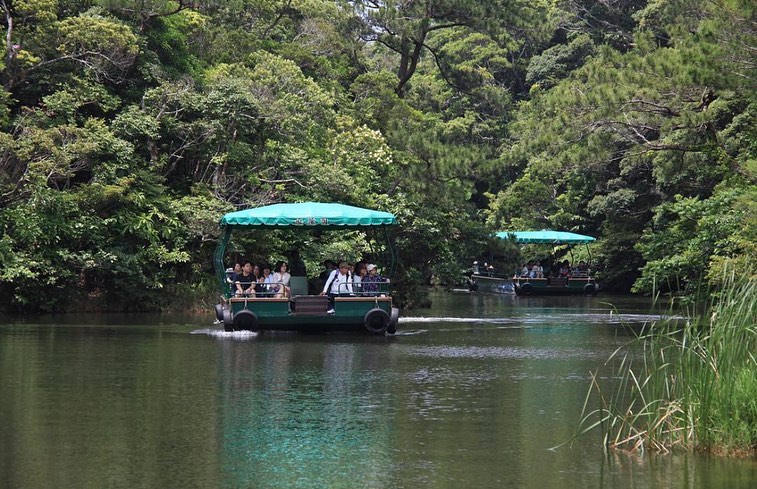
column 685, row 383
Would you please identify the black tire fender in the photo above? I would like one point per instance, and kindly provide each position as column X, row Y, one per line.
column 219, row 311
column 589, row 289
column 376, row 321
column 394, row 318
column 526, row 289
column 228, row 323
column 246, row 320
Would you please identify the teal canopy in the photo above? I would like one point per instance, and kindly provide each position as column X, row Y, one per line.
column 546, row 236
column 308, row 214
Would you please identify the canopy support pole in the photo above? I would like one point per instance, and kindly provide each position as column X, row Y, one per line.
column 392, row 253
column 218, row 261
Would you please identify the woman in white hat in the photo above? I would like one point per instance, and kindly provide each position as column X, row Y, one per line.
column 372, row 280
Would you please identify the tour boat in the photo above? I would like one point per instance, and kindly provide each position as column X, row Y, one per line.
column 489, row 281
column 372, row 312
column 574, row 282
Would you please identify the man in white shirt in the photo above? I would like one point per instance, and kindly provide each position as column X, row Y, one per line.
column 338, row 283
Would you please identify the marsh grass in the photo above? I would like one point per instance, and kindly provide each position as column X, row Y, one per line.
column 687, row 384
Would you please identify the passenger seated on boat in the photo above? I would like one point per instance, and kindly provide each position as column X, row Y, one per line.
column 357, row 277
column 338, row 283
column 265, row 286
column 565, row 268
column 372, row 280
column 231, row 273
column 582, row 270
column 537, row 270
column 245, row 282
column 256, row 274
column 281, row 280
column 525, row 271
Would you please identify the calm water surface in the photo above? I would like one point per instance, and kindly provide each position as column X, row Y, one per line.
column 474, row 393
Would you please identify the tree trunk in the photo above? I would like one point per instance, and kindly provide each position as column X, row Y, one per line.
column 409, row 61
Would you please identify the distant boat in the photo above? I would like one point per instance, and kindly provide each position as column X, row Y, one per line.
column 486, row 280
column 575, row 281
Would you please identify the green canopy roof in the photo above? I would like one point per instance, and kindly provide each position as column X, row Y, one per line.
column 309, row 214
column 546, row 236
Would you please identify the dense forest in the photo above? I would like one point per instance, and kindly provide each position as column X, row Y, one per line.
column 128, row 128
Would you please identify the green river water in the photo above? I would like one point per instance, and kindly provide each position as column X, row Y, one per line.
column 473, row 393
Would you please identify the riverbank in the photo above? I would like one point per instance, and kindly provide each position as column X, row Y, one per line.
column 198, row 297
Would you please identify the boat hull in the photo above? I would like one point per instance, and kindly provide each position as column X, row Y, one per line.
column 491, row 284
column 374, row 315
column 555, row 286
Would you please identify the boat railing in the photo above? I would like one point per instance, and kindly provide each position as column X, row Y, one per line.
column 274, row 289
column 364, row 289
column 561, row 281
column 488, row 274
column 264, row 290
column 580, row 274
column 583, row 274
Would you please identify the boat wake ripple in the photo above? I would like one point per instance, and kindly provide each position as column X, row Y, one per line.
column 430, row 319
column 595, row 318
column 219, row 333
column 410, row 332
column 516, row 353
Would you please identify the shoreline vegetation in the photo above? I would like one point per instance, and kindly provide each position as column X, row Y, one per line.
column 127, row 133
column 685, row 384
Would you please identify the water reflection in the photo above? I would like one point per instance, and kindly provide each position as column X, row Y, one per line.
column 102, row 407
column 305, row 414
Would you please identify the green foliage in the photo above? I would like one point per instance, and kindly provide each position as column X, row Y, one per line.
column 406, row 29
column 103, row 46
column 127, row 129
column 171, row 38
column 691, row 236
column 558, row 61
column 78, row 99
column 375, row 101
column 4, row 104
column 609, row 23
column 46, row 222
column 119, row 239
